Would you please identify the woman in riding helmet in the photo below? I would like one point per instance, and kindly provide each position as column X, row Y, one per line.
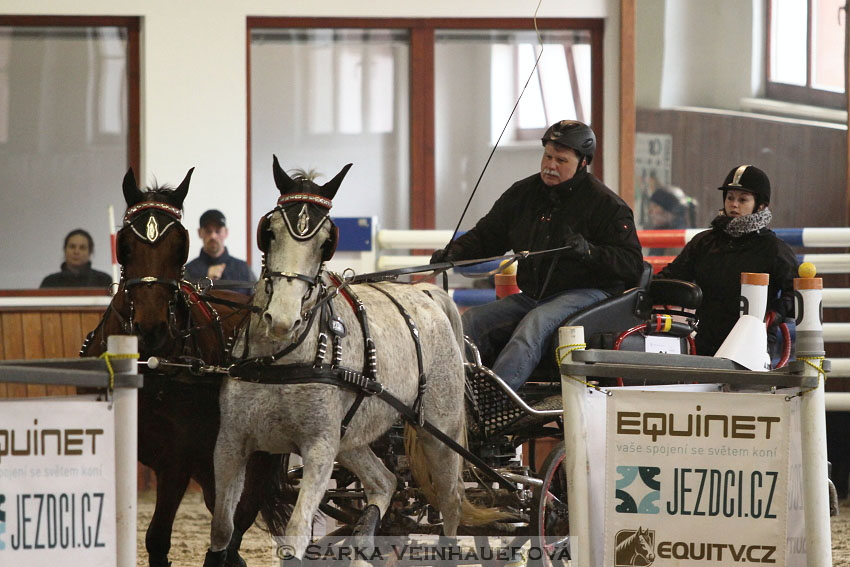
column 738, row 241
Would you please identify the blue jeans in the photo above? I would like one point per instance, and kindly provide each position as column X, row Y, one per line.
column 513, row 332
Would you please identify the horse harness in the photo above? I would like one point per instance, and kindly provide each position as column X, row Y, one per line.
column 262, row 370
column 150, row 227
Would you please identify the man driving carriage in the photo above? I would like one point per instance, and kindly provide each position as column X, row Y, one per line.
column 563, row 206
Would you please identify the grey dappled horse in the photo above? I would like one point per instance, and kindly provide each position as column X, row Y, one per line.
column 290, row 340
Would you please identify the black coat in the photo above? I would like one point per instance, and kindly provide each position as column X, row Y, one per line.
column 532, row 216
column 85, row 277
column 234, row 270
column 714, row 261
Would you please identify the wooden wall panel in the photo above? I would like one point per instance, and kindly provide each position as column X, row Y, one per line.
column 35, row 333
column 3, row 386
column 33, row 347
column 805, row 162
column 51, row 329
column 13, row 346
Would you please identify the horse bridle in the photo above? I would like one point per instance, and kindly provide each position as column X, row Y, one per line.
column 302, row 227
column 150, row 234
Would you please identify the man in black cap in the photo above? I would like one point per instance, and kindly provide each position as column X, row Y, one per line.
column 214, row 262
column 562, row 206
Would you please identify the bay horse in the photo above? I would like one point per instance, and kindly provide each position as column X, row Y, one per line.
column 314, row 364
column 178, row 413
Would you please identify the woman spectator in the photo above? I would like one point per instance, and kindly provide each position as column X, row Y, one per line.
column 76, row 270
column 738, row 241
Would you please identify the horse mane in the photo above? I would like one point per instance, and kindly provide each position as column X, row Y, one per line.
column 161, row 193
column 628, row 542
column 304, row 175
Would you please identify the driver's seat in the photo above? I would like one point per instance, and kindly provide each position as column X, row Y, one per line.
column 602, row 322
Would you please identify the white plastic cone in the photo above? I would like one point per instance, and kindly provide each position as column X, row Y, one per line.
column 746, row 344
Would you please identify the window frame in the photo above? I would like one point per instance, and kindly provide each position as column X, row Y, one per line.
column 132, row 25
column 796, row 93
column 422, row 32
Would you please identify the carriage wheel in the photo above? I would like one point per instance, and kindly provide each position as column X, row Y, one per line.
column 550, row 525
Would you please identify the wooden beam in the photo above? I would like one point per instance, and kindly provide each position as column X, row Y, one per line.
column 627, row 101
column 846, row 9
column 422, row 174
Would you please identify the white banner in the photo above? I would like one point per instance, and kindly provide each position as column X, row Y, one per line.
column 57, row 483
column 695, row 479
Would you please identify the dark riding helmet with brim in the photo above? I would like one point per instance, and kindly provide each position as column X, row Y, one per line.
column 572, row 134
column 750, row 179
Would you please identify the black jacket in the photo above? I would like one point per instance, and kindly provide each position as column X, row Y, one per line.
column 85, row 277
column 714, row 261
column 235, row 269
column 532, row 216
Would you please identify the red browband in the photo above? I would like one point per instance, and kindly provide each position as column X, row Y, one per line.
column 305, row 197
column 135, row 209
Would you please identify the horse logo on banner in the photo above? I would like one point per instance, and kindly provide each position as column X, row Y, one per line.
column 634, row 547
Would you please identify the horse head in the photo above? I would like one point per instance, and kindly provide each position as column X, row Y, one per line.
column 152, row 249
column 643, row 547
column 296, row 238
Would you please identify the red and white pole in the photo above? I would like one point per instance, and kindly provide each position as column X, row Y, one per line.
column 115, row 271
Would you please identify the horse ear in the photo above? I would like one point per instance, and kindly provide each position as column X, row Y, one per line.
column 132, row 193
column 180, row 193
column 284, row 183
column 330, row 188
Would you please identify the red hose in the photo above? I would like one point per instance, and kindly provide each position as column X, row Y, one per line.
column 786, row 338
column 786, row 346
column 621, row 337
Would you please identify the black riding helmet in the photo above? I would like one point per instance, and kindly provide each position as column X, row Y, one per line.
column 572, row 134
column 750, row 179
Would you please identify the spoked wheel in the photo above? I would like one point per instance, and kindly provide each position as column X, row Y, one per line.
column 550, row 520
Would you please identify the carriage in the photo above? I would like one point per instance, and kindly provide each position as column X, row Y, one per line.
column 516, row 498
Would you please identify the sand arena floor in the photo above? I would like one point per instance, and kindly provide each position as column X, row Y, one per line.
column 192, row 530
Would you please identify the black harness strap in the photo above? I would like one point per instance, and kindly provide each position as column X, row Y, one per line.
column 414, row 333
column 229, row 303
column 370, row 361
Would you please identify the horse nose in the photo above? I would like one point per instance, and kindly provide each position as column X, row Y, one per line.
column 278, row 327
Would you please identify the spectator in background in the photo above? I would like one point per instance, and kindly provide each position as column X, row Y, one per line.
column 669, row 208
column 214, row 261
column 76, row 270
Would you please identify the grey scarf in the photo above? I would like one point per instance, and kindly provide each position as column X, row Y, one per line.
column 739, row 226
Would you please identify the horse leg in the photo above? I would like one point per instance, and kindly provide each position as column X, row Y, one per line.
column 205, row 477
column 318, row 460
column 444, row 466
column 259, row 466
column 170, row 487
column 229, row 479
column 378, row 485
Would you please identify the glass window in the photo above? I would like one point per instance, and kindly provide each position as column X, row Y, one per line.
column 322, row 98
column 416, row 105
column 480, row 75
column 806, row 52
column 65, row 139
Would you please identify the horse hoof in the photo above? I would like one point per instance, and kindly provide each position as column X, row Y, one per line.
column 158, row 561
column 216, row 558
column 234, row 560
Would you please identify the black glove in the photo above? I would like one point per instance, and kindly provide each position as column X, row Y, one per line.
column 440, row 256
column 576, row 247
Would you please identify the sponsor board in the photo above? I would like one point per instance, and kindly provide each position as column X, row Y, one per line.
column 695, row 479
column 57, row 483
